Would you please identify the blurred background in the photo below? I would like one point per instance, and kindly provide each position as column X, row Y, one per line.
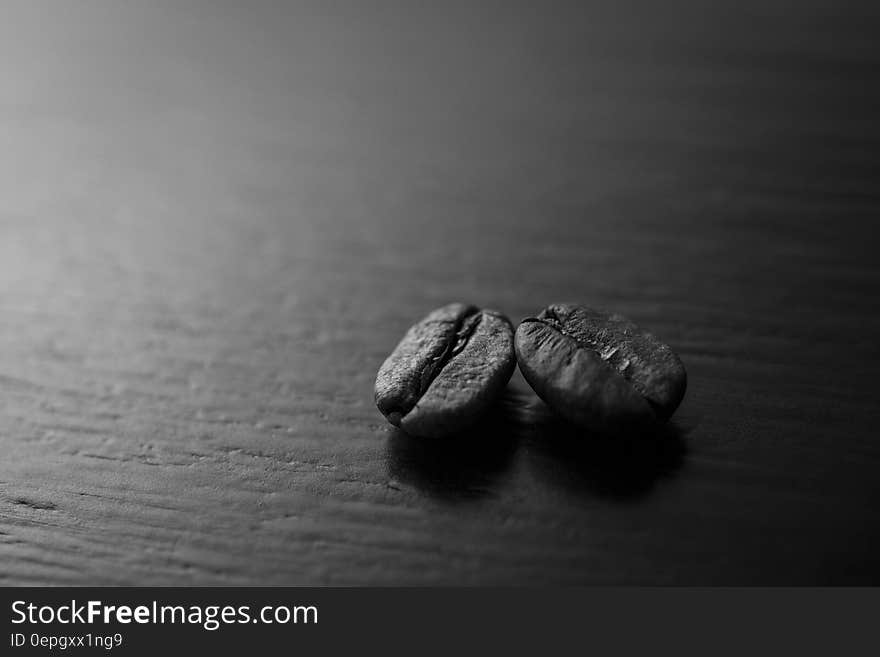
column 217, row 218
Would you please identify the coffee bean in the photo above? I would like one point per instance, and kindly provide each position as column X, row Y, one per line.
column 599, row 370
column 446, row 371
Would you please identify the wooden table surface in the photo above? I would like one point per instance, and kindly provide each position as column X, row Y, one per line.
column 216, row 220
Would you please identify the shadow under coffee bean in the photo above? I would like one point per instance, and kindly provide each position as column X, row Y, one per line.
column 472, row 465
column 620, row 467
column 464, row 467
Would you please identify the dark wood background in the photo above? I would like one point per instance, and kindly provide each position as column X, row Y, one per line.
column 216, row 220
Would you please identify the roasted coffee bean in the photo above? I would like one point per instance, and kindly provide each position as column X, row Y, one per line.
column 599, row 370
column 446, row 371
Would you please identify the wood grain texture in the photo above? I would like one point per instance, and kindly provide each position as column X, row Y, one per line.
column 217, row 219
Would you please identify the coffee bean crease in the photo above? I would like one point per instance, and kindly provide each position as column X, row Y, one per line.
column 446, row 370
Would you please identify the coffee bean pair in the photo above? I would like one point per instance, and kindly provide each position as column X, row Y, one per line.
column 596, row 370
